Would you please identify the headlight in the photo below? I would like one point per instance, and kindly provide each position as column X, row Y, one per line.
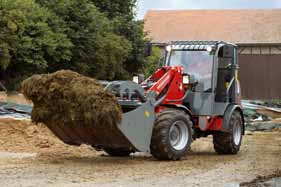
column 168, row 48
column 209, row 48
column 136, row 79
column 185, row 79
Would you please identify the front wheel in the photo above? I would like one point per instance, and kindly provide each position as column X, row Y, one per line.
column 172, row 135
column 230, row 142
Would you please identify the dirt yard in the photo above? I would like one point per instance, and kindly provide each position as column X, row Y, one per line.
column 31, row 156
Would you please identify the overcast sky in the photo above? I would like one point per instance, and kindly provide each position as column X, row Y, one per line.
column 144, row 5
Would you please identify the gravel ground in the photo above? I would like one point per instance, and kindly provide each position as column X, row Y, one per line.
column 31, row 156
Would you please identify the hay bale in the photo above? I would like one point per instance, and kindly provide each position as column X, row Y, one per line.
column 68, row 98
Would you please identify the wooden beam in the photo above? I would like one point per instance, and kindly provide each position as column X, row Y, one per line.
column 241, row 49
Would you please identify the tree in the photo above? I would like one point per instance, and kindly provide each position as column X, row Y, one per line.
column 122, row 14
column 27, row 42
column 98, row 51
column 153, row 61
column 116, row 8
column 96, row 38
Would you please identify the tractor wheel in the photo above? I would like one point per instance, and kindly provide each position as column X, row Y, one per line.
column 230, row 142
column 117, row 152
column 172, row 135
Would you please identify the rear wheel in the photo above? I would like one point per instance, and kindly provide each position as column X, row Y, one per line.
column 230, row 142
column 172, row 135
column 117, row 152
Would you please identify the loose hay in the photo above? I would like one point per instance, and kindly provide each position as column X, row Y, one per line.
column 68, row 98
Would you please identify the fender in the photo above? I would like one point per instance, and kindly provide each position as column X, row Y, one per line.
column 182, row 107
column 227, row 115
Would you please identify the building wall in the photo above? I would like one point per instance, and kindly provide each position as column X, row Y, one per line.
column 260, row 72
column 260, row 76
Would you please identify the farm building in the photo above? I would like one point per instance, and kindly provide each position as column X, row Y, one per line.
column 256, row 32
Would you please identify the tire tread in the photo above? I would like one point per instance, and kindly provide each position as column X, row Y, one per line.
column 160, row 147
column 223, row 141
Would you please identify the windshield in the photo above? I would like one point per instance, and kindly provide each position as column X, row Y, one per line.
column 196, row 63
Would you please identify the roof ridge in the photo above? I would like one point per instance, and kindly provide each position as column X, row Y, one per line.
column 224, row 9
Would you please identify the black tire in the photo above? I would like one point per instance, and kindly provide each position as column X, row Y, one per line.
column 161, row 144
column 224, row 142
column 117, row 152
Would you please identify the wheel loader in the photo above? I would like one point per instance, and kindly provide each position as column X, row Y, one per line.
column 195, row 93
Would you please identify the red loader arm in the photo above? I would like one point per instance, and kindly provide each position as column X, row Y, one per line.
column 168, row 84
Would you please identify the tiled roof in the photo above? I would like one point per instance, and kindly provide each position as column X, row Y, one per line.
column 236, row 26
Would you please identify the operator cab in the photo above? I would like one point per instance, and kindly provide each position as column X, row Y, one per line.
column 212, row 70
column 197, row 63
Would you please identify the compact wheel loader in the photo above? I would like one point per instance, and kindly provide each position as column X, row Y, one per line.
column 194, row 94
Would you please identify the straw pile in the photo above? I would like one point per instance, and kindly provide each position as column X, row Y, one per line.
column 68, row 98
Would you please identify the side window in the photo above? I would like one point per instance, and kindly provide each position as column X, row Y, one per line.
column 225, row 73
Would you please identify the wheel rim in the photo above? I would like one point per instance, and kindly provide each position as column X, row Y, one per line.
column 237, row 133
column 178, row 135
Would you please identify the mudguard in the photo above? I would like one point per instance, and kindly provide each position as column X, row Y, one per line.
column 182, row 107
column 227, row 115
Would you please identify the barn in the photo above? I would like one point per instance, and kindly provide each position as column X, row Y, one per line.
column 257, row 33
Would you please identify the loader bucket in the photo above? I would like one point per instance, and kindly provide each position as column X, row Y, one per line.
column 133, row 133
column 72, row 107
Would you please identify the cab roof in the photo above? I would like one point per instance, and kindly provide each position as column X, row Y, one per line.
column 197, row 45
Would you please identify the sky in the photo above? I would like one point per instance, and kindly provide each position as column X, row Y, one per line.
column 144, row 5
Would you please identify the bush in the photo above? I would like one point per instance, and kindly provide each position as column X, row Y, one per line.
column 28, row 42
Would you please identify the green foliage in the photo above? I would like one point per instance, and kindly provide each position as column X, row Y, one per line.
column 152, row 61
column 96, row 38
column 133, row 31
column 113, row 50
column 98, row 51
column 116, row 8
column 121, row 12
column 27, row 41
column 4, row 55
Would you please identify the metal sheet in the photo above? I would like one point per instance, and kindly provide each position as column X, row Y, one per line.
column 260, row 76
column 137, row 126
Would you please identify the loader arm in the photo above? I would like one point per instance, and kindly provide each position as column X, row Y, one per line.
column 168, row 85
